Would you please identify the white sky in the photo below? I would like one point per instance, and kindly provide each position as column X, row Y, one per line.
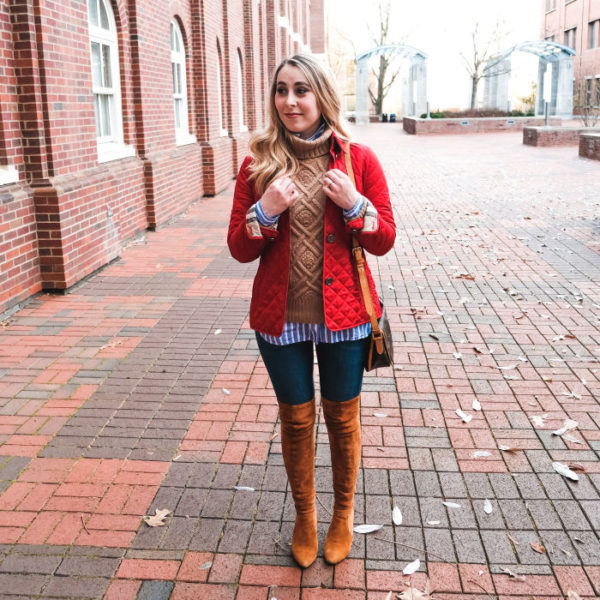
column 442, row 29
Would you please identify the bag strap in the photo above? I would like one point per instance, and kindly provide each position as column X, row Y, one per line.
column 359, row 257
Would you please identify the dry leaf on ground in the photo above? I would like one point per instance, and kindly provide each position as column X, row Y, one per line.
column 367, row 528
column 410, row 568
column 397, row 516
column 412, row 593
column 512, row 574
column 568, row 425
column 563, row 470
column 463, row 415
column 538, row 548
column 510, row 449
column 157, row 519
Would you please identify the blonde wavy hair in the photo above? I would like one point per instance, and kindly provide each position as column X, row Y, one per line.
column 272, row 155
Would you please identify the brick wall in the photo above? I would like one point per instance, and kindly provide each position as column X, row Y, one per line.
column 65, row 214
column 589, row 145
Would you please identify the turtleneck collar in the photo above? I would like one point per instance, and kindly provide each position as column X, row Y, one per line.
column 317, row 145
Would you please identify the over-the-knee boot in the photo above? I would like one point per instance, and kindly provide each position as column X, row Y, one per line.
column 343, row 427
column 298, row 448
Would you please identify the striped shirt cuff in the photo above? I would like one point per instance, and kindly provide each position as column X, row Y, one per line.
column 355, row 211
column 263, row 219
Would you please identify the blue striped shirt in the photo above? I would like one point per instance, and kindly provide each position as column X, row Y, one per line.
column 313, row 332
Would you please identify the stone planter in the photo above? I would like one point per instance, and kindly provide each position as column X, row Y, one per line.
column 418, row 126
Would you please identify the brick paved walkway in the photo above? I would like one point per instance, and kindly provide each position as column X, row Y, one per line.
column 142, row 389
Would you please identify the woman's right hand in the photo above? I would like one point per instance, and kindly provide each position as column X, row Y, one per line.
column 279, row 196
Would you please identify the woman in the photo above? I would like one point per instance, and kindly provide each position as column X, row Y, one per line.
column 296, row 209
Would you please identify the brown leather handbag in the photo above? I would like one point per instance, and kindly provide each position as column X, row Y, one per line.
column 381, row 349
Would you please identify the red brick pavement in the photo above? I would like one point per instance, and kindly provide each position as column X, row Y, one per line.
column 493, row 295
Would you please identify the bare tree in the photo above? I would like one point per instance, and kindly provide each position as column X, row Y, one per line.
column 384, row 76
column 479, row 63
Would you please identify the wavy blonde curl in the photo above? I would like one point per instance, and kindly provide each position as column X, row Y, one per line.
column 271, row 152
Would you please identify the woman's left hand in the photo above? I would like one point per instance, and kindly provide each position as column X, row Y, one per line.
column 338, row 187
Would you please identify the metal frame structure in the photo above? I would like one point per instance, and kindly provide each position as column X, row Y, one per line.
column 549, row 53
column 414, row 87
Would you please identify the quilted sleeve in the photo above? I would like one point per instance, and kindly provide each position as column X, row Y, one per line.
column 246, row 242
column 377, row 238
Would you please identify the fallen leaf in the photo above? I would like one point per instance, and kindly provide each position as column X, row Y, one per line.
column 451, row 504
column 397, row 516
column 158, row 518
column 433, row 336
column 571, row 595
column 226, row 391
column 367, row 528
column 510, row 449
column 389, row 596
column 576, row 467
column 433, row 522
column 511, row 538
column 568, row 425
column 243, row 488
column 538, row 548
column 206, row 565
column 481, row 454
column 412, row 593
column 563, row 470
column 539, row 420
column 508, row 367
column 410, row 568
column 379, row 415
column 571, row 439
column 458, row 355
column 487, row 507
column 511, row 574
column 476, row 404
column 218, row 331
column 463, row 415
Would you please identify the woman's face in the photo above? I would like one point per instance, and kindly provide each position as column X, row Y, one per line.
column 296, row 103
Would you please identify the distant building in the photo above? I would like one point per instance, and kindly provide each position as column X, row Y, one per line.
column 576, row 24
column 115, row 116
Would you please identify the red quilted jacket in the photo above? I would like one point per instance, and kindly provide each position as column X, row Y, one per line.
column 343, row 303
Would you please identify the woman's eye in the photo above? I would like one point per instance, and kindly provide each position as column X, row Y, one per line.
column 281, row 91
column 301, row 90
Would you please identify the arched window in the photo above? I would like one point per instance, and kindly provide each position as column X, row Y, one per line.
column 221, row 92
column 241, row 95
column 180, row 100
column 106, row 81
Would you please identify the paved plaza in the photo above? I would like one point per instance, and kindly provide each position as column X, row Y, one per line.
column 142, row 390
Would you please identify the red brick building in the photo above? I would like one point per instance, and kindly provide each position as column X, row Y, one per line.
column 115, row 115
column 576, row 24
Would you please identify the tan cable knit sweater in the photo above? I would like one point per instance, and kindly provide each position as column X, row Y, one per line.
column 307, row 215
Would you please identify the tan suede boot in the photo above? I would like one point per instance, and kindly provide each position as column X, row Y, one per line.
column 298, row 448
column 343, row 427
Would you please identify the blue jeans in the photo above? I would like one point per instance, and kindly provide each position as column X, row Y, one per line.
column 291, row 369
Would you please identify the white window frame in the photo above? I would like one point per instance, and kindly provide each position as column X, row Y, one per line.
column 111, row 147
column 241, row 95
column 223, row 131
column 182, row 133
column 8, row 174
column 597, row 81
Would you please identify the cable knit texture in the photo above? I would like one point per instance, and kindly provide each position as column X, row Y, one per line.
column 342, row 297
column 307, row 220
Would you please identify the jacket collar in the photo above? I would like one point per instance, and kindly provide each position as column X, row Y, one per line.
column 337, row 145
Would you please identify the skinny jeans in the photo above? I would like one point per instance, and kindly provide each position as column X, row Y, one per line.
column 291, row 368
